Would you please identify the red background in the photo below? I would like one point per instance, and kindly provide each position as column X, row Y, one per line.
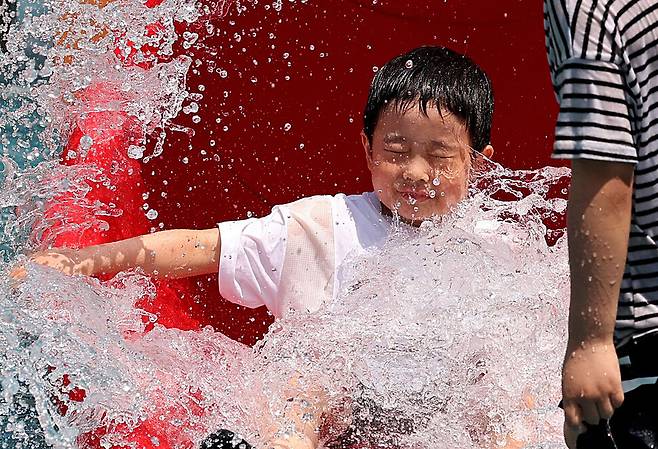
column 332, row 46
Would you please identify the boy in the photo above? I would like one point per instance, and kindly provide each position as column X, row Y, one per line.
column 427, row 120
column 604, row 64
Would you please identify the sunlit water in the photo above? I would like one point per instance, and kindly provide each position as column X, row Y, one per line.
column 449, row 336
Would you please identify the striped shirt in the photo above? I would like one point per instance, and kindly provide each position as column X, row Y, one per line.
column 603, row 56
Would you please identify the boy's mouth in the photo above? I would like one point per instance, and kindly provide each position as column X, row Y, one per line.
column 414, row 196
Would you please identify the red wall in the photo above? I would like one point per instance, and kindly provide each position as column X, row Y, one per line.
column 256, row 163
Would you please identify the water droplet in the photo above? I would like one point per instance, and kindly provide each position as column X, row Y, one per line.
column 135, row 152
column 86, row 142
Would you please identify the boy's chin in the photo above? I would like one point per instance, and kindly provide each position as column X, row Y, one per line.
column 407, row 215
column 416, row 218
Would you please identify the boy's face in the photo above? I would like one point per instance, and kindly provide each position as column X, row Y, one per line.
column 419, row 163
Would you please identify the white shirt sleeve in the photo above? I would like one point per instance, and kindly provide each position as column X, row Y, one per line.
column 251, row 260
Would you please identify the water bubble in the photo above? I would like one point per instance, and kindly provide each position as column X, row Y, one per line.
column 432, row 193
column 409, row 64
column 287, row 127
column 136, row 151
column 436, row 181
column 375, row 69
column 196, row 119
column 86, row 142
column 152, row 214
column 223, row 73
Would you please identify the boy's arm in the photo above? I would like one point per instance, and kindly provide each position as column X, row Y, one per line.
column 599, row 217
column 176, row 253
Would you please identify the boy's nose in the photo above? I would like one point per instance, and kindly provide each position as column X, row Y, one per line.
column 416, row 170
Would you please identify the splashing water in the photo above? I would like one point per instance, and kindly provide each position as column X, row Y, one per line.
column 449, row 336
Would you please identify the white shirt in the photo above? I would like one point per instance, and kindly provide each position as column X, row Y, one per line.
column 292, row 258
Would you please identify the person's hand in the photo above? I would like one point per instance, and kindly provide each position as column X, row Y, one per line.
column 571, row 434
column 61, row 259
column 591, row 386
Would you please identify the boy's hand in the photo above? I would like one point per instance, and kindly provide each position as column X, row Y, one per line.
column 591, row 387
column 61, row 259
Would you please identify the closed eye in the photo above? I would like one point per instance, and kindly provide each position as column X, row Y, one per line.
column 395, row 148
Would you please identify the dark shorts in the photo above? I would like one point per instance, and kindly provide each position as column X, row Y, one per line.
column 224, row 439
column 634, row 425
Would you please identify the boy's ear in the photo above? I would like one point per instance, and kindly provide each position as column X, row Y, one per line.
column 488, row 151
column 366, row 146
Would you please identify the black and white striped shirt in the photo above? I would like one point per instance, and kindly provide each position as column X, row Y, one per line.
column 603, row 56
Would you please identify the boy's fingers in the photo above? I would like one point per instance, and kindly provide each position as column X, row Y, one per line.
column 18, row 273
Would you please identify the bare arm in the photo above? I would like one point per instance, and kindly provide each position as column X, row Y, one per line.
column 177, row 253
column 599, row 218
column 305, row 413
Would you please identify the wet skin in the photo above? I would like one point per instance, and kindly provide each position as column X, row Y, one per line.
column 420, row 164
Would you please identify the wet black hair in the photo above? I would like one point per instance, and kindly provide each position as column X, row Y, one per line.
column 435, row 76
